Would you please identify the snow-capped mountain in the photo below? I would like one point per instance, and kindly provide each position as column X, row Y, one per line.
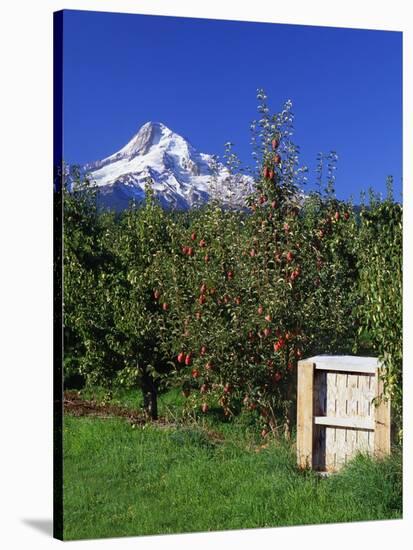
column 182, row 177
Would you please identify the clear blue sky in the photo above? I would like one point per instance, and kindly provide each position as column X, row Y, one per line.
column 200, row 77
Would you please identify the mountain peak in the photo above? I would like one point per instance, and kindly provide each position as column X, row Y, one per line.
column 153, row 124
column 182, row 176
column 148, row 135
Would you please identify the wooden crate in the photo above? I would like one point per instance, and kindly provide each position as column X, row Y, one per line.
column 336, row 415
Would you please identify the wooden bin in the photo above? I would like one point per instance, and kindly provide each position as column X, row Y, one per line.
column 336, row 415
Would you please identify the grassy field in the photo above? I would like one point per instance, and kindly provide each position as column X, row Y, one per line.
column 121, row 480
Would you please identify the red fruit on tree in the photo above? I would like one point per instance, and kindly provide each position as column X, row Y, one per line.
column 268, row 318
column 290, row 257
column 275, row 143
column 271, row 175
column 181, row 357
column 184, row 250
column 298, row 353
column 230, row 275
column 266, row 172
column 295, row 274
column 260, row 310
column 165, row 306
column 266, row 331
column 202, row 243
column 193, row 237
column 195, row 373
column 337, row 216
column 277, row 376
column 346, row 215
column 252, row 252
column 202, row 299
column 206, row 258
column 279, row 344
column 190, row 251
column 204, row 407
column 188, row 359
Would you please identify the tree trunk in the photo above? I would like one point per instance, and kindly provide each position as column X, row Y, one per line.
column 150, row 396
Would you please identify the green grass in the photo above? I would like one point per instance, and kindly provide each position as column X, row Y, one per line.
column 121, row 481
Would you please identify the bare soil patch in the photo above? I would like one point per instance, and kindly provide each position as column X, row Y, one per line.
column 75, row 405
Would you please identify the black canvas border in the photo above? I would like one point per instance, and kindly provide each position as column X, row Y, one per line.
column 57, row 275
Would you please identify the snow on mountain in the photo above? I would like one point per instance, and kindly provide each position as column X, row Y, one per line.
column 182, row 177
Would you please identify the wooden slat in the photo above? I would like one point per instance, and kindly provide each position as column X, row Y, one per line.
column 382, row 441
column 348, row 363
column 346, row 368
column 358, row 423
column 305, row 373
column 330, row 460
column 367, row 388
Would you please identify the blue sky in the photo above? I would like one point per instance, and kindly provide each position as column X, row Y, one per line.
column 200, row 77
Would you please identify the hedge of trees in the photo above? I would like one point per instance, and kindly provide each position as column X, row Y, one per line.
column 223, row 302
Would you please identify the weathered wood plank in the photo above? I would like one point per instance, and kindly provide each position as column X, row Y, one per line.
column 343, row 367
column 348, row 363
column 354, row 422
column 363, row 439
column 305, row 404
column 330, row 460
column 382, row 435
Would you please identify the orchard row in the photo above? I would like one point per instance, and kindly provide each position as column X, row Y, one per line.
column 223, row 302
